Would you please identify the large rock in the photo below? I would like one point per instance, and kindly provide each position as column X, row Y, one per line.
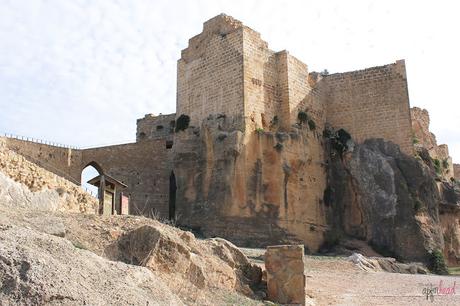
column 285, row 274
column 387, row 198
column 175, row 254
column 40, row 269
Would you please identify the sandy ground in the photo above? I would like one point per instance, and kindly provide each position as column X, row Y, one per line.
column 335, row 281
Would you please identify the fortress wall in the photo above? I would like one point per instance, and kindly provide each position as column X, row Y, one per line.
column 261, row 88
column 144, row 166
column 210, row 72
column 371, row 103
column 64, row 162
column 155, row 127
column 302, row 96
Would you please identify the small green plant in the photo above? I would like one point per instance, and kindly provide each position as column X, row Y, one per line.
column 437, row 166
column 311, row 124
column 445, row 163
column 260, row 130
column 436, row 263
column 415, row 140
column 302, row 117
column 182, row 123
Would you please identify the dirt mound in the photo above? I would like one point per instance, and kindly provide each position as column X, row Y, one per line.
column 37, row 269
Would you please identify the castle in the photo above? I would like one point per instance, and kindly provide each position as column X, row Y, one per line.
column 251, row 165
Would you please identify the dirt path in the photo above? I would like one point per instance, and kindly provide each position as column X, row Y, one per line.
column 335, row 281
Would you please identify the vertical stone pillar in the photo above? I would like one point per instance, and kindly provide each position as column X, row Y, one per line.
column 285, row 274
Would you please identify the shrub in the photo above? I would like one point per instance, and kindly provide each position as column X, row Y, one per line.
column 303, row 117
column 436, row 263
column 445, row 163
column 312, row 125
column 259, row 130
column 182, row 123
column 415, row 140
column 437, row 166
column 278, row 147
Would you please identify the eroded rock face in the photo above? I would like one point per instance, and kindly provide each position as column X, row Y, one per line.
column 423, row 138
column 40, row 269
column 254, row 188
column 285, row 274
column 212, row 263
column 387, row 198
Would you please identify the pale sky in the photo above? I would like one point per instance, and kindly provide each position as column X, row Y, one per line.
column 81, row 72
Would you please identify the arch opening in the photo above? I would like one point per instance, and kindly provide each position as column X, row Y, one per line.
column 90, row 171
column 172, row 196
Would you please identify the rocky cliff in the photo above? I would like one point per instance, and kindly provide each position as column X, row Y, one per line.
column 389, row 199
column 255, row 188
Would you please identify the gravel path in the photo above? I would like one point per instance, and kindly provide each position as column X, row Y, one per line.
column 335, row 281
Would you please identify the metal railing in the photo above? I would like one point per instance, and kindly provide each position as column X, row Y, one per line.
column 41, row 141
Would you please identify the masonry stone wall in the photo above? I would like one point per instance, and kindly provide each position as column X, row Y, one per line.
column 371, row 103
column 156, row 127
column 210, row 72
column 145, row 167
column 64, row 162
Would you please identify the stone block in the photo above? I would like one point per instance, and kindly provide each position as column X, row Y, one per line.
column 285, row 274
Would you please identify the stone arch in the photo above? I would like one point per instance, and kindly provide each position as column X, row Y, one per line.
column 95, row 165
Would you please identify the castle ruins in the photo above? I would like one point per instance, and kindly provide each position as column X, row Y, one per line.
column 248, row 167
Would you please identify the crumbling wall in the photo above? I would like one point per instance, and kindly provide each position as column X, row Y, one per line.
column 156, row 127
column 371, row 103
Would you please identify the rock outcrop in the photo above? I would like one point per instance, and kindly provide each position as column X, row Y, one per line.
column 24, row 183
column 423, row 138
column 254, row 188
column 387, row 198
column 178, row 255
column 39, row 269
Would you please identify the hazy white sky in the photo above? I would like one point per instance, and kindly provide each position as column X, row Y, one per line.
column 82, row 71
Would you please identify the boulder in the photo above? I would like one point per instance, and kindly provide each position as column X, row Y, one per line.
column 285, row 274
column 175, row 254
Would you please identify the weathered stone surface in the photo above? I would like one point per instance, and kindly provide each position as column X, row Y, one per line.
column 212, row 263
column 39, row 269
column 423, row 138
column 244, row 189
column 285, row 274
column 387, row 198
column 457, row 172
